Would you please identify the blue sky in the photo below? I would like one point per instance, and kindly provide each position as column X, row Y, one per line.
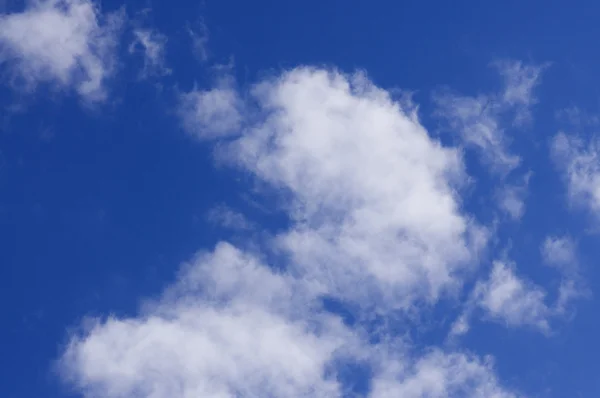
column 315, row 199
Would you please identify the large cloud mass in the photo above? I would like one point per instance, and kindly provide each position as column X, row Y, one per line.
column 376, row 224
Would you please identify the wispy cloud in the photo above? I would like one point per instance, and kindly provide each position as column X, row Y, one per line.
column 226, row 217
column 152, row 45
column 579, row 164
column 478, row 119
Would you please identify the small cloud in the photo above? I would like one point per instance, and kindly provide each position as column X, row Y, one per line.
column 228, row 218
column 67, row 43
column 579, row 164
column 511, row 198
column 199, row 37
column 152, row 44
column 506, row 297
column 559, row 252
column 477, row 119
column 212, row 113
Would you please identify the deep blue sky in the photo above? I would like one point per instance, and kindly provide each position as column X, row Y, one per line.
column 100, row 204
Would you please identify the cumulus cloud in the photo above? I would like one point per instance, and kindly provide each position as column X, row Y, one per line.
column 68, row 43
column 373, row 197
column 375, row 223
column 479, row 119
column 230, row 327
column 152, row 45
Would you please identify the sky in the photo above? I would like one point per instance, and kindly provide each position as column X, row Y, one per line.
column 238, row 199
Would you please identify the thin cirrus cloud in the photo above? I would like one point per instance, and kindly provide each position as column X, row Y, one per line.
column 152, row 45
column 362, row 231
column 477, row 119
column 67, row 43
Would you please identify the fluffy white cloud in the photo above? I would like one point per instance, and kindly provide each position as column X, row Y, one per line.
column 65, row 42
column 231, row 327
column 579, row 162
column 439, row 375
column 228, row 328
column 373, row 197
column 152, row 44
column 374, row 219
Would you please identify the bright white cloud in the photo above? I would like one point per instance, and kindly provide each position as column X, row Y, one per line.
column 65, row 42
column 152, row 44
column 373, row 197
column 227, row 329
column 231, row 327
column 375, row 219
column 579, row 163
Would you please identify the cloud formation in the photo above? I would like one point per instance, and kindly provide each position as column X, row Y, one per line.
column 152, row 45
column 67, row 43
column 579, row 163
column 375, row 223
column 478, row 119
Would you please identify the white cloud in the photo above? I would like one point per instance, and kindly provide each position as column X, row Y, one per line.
column 440, row 375
column 560, row 252
column 477, row 119
column 519, row 83
column 231, row 327
column 152, row 44
column 213, row 113
column 373, row 197
column 64, row 42
column 508, row 298
column 579, row 163
column 375, row 219
column 227, row 329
